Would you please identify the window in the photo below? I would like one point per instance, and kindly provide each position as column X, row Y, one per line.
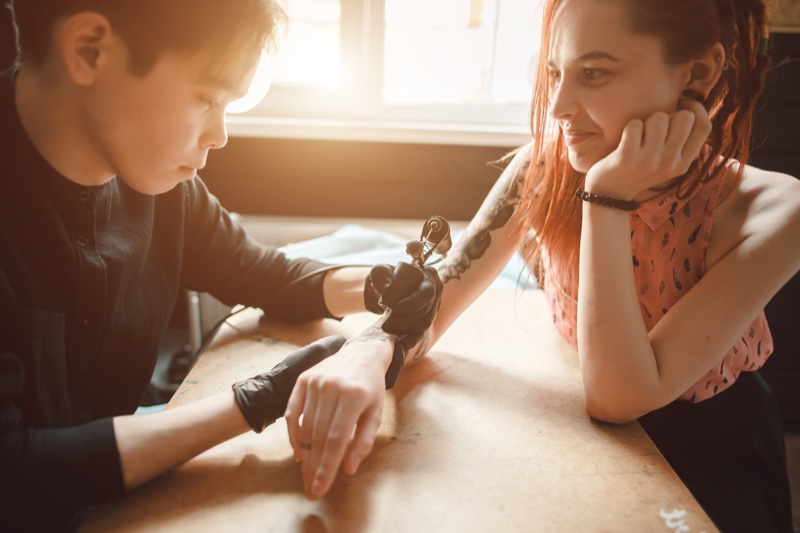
column 451, row 71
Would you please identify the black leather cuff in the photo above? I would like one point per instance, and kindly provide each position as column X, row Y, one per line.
column 397, row 364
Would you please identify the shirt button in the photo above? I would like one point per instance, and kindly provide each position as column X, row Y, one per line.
column 86, row 195
column 81, row 392
column 88, row 320
column 83, row 240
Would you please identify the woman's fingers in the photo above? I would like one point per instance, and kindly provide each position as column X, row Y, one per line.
column 672, row 141
column 652, row 151
column 677, row 155
column 364, row 439
column 305, row 443
column 333, row 411
column 632, row 138
column 338, row 434
column 656, row 128
column 294, row 409
column 701, row 129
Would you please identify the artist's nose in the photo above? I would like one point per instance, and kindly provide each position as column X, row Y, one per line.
column 216, row 133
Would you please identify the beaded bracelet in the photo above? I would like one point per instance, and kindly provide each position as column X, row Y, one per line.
column 625, row 205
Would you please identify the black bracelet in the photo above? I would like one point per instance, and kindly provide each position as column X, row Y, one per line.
column 625, row 205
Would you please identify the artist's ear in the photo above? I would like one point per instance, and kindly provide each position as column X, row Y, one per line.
column 85, row 40
column 705, row 71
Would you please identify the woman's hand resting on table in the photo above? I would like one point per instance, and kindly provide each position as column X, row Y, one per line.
column 336, row 408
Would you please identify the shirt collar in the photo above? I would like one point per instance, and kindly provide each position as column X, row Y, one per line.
column 661, row 208
column 658, row 210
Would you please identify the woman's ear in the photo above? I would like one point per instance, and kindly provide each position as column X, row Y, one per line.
column 85, row 41
column 705, row 71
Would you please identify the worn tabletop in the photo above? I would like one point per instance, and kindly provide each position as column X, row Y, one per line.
column 488, row 433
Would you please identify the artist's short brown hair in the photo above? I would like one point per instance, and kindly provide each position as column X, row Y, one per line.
column 152, row 27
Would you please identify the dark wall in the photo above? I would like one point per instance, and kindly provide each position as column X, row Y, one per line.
column 776, row 145
column 351, row 179
column 7, row 46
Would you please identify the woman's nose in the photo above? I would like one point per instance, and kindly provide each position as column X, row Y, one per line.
column 562, row 101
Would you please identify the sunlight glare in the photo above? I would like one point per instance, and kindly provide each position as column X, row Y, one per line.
column 258, row 87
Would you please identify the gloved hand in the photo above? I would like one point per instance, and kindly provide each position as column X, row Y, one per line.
column 414, row 295
column 263, row 398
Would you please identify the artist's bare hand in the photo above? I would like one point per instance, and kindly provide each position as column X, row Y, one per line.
column 651, row 152
column 335, row 410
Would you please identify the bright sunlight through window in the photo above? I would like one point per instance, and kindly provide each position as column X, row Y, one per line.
column 262, row 80
column 369, row 67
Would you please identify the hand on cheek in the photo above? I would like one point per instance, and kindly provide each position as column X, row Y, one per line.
column 651, row 152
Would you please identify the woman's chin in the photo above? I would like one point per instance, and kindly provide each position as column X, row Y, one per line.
column 580, row 163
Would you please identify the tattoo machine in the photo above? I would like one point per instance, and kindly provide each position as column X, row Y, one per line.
column 434, row 239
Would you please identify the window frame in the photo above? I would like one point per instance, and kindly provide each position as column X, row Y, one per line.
column 355, row 110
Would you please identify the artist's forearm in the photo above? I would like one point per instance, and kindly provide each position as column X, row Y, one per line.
column 152, row 444
column 343, row 290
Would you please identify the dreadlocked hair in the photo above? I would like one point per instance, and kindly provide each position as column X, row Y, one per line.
column 550, row 221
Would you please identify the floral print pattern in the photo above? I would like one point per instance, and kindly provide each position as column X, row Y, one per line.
column 669, row 241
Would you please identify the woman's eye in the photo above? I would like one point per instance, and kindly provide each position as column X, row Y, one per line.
column 593, row 73
column 208, row 102
column 555, row 76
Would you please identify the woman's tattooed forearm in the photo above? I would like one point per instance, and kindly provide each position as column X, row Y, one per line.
column 374, row 332
column 496, row 211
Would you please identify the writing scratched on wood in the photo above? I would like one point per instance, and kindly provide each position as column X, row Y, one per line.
column 675, row 520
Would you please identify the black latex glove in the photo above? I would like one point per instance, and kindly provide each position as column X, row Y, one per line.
column 263, row 398
column 414, row 295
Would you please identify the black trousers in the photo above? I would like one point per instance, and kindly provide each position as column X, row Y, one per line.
column 730, row 452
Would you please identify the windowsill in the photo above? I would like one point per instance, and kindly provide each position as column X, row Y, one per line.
column 377, row 131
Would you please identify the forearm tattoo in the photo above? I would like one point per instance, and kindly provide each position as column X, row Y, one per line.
column 374, row 332
column 498, row 208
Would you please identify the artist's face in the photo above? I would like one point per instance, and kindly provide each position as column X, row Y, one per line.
column 155, row 131
column 603, row 76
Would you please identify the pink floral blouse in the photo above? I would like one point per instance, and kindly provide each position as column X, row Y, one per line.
column 669, row 240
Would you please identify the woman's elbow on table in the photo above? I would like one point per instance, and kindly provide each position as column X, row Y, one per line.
column 613, row 408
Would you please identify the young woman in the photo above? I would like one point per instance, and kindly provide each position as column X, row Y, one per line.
column 656, row 245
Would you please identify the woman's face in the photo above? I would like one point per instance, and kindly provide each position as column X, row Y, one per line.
column 603, row 76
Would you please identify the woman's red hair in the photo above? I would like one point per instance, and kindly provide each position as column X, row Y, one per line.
column 688, row 28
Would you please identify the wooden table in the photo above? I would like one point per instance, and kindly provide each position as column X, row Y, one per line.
column 488, row 434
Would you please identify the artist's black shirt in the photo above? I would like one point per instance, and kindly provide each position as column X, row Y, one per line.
column 88, row 280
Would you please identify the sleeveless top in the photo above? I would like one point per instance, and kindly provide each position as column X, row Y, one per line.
column 669, row 241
